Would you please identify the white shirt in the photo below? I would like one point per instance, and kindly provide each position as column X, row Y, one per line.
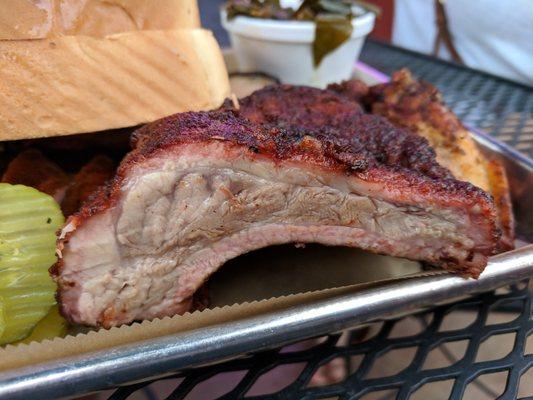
column 491, row 35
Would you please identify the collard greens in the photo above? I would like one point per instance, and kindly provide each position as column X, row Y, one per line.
column 333, row 19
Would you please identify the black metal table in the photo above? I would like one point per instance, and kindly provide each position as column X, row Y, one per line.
column 505, row 110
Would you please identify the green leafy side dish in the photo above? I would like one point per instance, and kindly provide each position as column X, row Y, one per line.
column 333, row 19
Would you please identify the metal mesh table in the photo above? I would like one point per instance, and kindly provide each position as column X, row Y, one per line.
column 437, row 360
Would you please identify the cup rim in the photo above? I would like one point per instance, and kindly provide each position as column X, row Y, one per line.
column 287, row 31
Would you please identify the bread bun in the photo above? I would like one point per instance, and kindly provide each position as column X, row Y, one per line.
column 40, row 19
column 76, row 84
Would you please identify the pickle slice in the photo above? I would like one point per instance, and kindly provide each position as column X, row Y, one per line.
column 29, row 220
column 51, row 326
column 2, row 320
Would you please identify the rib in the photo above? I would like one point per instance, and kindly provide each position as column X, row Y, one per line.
column 418, row 107
column 32, row 168
column 405, row 102
column 202, row 188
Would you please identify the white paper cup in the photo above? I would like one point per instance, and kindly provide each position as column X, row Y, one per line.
column 283, row 49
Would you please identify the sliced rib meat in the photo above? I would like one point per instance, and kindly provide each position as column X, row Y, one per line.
column 202, row 188
column 32, row 168
column 418, row 107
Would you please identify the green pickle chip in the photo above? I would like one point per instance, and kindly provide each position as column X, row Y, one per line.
column 29, row 220
column 2, row 321
column 50, row 327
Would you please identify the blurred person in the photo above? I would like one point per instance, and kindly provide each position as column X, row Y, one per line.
column 489, row 35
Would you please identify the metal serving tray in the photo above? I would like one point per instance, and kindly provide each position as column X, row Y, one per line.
column 164, row 355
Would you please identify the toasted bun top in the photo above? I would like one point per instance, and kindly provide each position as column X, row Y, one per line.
column 75, row 66
column 76, row 84
column 39, row 19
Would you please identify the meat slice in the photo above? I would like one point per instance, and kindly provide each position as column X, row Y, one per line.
column 326, row 115
column 298, row 106
column 418, row 107
column 91, row 176
column 202, row 188
column 405, row 102
column 32, row 168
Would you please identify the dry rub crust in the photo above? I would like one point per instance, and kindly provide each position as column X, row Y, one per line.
column 418, row 107
column 302, row 106
column 331, row 117
column 399, row 162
